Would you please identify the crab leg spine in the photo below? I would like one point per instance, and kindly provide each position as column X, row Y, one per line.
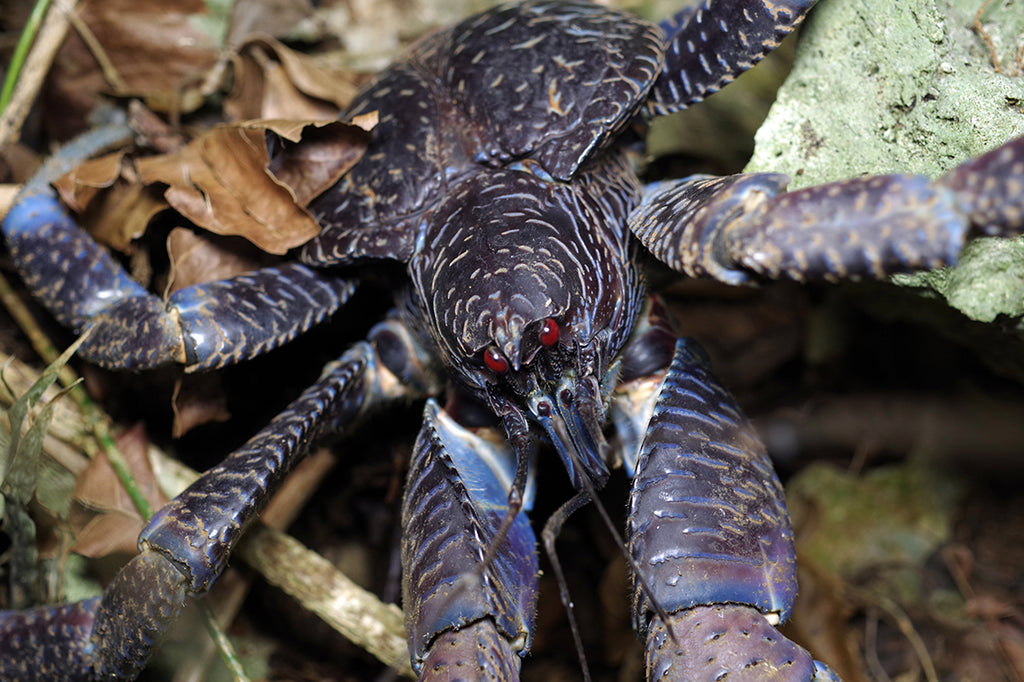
column 710, row 45
column 743, row 227
column 186, row 545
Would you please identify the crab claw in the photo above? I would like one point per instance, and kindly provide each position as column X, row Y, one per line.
column 710, row 534
column 466, row 612
column 728, row 642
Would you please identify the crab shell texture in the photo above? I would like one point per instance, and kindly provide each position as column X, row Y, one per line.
column 467, row 179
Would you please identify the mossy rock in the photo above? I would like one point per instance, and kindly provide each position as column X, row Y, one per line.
column 909, row 86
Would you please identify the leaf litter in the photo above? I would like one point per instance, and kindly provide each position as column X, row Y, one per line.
column 951, row 585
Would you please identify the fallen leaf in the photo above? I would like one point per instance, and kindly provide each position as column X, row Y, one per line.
column 273, row 81
column 114, row 207
column 78, row 187
column 104, row 518
column 107, row 534
column 198, row 399
column 123, row 213
column 158, row 51
column 323, row 156
column 221, row 182
column 198, row 257
column 311, row 76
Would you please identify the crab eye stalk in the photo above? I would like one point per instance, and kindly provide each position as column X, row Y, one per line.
column 549, row 332
column 495, row 360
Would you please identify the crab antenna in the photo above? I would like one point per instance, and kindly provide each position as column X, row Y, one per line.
column 520, row 445
column 552, row 528
column 588, row 488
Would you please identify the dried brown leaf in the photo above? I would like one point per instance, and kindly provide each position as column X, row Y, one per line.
column 104, row 518
column 221, row 182
column 123, row 214
column 99, row 488
column 107, row 534
column 115, row 209
column 159, row 51
column 296, row 130
column 323, row 156
column 80, row 186
column 198, row 399
column 310, row 76
column 273, row 81
column 274, row 95
column 203, row 257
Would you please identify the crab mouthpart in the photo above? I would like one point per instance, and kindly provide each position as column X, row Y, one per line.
column 571, row 416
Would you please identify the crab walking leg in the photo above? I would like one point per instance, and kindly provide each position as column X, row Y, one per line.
column 712, row 43
column 465, row 620
column 203, row 326
column 990, row 189
column 186, row 545
column 709, row 530
column 741, row 227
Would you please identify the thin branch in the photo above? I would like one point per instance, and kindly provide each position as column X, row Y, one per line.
column 37, row 65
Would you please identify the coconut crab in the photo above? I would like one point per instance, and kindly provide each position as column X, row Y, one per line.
column 524, row 288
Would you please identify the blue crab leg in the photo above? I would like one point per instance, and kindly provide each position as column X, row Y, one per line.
column 202, row 327
column 708, row 528
column 742, row 227
column 185, row 546
column 465, row 619
column 709, row 45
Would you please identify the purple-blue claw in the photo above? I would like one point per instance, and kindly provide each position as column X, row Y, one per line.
column 476, row 652
column 465, row 614
column 727, row 643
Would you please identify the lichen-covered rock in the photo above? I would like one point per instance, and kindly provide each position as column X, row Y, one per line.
column 907, row 86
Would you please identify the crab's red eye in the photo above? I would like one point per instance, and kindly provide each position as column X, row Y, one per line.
column 549, row 332
column 495, row 360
